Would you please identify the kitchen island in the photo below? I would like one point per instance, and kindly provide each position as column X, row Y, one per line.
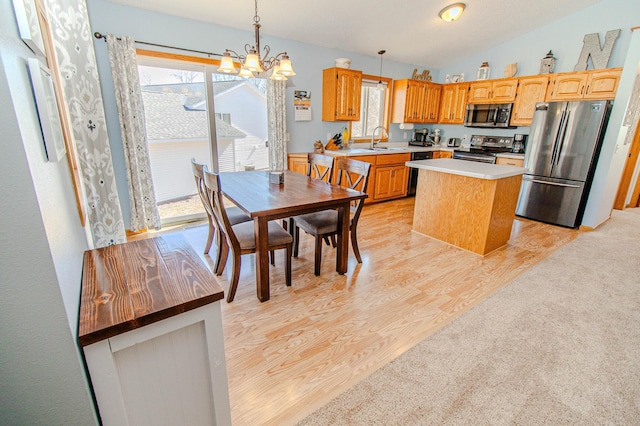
column 467, row 204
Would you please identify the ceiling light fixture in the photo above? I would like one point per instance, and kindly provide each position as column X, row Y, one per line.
column 380, row 86
column 452, row 12
column 280, row 64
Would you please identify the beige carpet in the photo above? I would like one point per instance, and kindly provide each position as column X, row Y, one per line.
column 559, row 345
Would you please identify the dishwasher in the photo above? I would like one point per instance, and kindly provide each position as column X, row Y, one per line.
column 413, row 174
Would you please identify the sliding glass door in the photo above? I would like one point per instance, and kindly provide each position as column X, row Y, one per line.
column 193, row 112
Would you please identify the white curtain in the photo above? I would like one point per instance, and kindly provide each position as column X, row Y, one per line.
column 124, row 69
column 72, row 39
column 277, row 128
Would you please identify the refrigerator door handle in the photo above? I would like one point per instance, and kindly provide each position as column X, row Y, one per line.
column 559, row 141
column 551, row 183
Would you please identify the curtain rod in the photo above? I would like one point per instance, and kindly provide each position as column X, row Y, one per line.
column 101, row 36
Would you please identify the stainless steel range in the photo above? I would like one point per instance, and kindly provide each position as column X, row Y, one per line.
column 483, row 149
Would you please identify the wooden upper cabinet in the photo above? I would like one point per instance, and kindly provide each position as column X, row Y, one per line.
column 415, row 101
column 341, row 90
column 453, row 103
column 531, row 90
column 493, row 91
column 594, row 84
column 603, row 84
column 432, row 104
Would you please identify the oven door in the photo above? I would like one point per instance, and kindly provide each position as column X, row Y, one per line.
column 474, row 156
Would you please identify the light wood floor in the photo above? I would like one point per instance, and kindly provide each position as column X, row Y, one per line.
column 290, row 355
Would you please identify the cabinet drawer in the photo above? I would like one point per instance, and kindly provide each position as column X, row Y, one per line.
column 392, row 158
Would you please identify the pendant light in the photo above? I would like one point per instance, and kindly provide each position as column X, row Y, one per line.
column 252, row 62
column 380, row 86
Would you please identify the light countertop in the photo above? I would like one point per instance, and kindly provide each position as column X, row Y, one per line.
column 384, row 148
column 468, row 168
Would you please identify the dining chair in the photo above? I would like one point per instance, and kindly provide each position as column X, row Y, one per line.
column 353, row 174
column 241, row 236
column 234, row 214
column 320, row 167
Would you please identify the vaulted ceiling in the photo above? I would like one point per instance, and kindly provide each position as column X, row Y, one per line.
column 409, row 30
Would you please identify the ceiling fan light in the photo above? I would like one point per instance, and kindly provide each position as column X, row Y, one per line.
column 452, row 12
column 252, row 62
column 285, row 67
column 226, row 64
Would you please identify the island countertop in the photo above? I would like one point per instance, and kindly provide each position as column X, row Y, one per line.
column 468, row 168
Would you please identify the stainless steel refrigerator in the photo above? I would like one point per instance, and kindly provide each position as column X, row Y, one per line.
column 561, row 156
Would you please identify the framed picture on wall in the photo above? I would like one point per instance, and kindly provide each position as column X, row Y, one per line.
column 47, row 109
column 28, row 25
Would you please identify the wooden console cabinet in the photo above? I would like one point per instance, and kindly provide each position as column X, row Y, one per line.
column 151, row 330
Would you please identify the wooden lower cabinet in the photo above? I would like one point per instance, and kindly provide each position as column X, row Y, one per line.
column 390, row 182
column 297, row 162
column 388, row 176
column 510, row 161
column 442, row 154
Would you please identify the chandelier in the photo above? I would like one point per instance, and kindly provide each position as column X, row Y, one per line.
column 280, row 64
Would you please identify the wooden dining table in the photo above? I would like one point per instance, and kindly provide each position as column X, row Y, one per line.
column 299, row 194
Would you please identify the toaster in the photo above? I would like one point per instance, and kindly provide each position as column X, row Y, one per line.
column 453, row 142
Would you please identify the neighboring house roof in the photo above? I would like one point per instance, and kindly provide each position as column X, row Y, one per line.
column 195, row 91
column 167, row 118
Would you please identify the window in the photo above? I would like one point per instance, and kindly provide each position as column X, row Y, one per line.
column 374, row 108
column 224, row 117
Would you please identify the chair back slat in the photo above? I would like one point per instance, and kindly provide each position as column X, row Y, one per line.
column 214, row 194
column 356, row 175
column 198, row 174
column 320, row 166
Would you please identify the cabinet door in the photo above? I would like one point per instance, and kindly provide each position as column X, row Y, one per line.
column 603, row 84
column 504, row 90
column 390, row 182
column 432, row 104
column 297, row 163
column 348, row 95
column 414, row 112
column 447, row 103
column 531, row 90
column 510, row 161
column 568, row 86
column 459, row 108
column 341, row 94
column 480, row 92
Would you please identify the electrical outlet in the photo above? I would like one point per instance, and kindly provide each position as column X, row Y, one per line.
column 405, row 135
column 328, row 136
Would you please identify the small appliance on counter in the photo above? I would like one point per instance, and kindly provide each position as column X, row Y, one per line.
column 421, row 138
column 453, row 142
column 519, row 144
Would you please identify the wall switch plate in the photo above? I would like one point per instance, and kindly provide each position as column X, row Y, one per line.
column 405, row 135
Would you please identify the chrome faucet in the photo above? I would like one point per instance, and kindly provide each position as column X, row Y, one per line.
column 373, row 135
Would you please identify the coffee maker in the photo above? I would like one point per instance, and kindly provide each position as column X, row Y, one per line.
column 421, row 138
column 519, row 144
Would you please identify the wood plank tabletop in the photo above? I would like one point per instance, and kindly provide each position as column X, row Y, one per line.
column 130, row 285
column 252, row 192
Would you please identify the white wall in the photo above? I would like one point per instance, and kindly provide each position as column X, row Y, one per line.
column 41, row 248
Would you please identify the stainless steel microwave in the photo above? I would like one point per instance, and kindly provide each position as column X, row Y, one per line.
column 488, row 115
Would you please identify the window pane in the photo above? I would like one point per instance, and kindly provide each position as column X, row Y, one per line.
column 371, row 110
